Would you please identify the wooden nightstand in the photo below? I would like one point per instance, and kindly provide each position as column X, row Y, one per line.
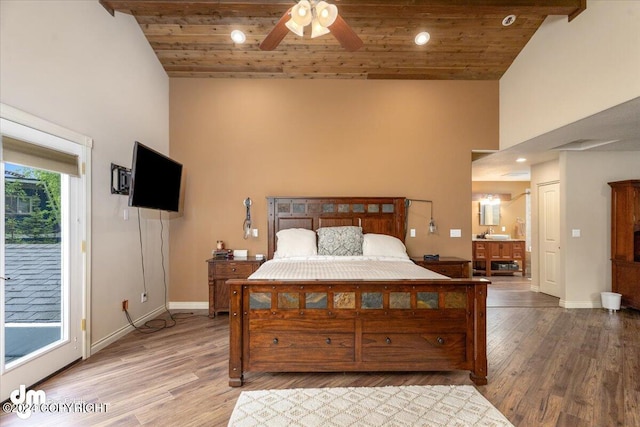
column 222, row 269
column 456, row 268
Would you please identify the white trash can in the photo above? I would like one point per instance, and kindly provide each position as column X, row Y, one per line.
column 611, row 300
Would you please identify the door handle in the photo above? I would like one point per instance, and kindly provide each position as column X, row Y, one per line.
column 5, row 278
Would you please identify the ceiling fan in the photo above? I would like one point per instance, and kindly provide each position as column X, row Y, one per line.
column 323, row 18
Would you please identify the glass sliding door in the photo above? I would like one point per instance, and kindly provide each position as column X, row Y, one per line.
column 33, row 256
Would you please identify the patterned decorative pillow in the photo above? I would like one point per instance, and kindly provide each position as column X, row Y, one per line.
column 340, row 240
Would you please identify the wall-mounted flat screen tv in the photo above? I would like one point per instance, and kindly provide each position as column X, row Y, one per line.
column 155, row 180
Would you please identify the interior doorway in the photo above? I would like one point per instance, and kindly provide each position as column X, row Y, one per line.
column 549, row 238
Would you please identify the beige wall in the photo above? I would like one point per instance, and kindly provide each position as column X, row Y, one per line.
column 585, row 205
column 73, row 64
column 259, row 138
column 586, row 202
column 510, row 210
column 571, row 70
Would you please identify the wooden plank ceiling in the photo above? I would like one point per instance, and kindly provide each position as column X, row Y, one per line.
column 468, row 41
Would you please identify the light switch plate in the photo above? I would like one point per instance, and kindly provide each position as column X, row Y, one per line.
column 575, row 232
column 412, row 232
column 455, row 232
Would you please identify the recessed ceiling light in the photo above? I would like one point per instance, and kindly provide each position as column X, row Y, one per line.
column 422, row 38
column 238, row 36
column 508, row 20
column 521, row 160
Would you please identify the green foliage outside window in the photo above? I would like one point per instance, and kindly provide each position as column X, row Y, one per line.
column 42, row 223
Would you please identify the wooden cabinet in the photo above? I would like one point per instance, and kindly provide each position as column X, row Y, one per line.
column 220, row 270
column 501, row 251
column 456, row 268
column 625, row 241
column 498, row 251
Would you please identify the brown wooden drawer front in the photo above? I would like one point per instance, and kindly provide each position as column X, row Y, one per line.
column 413, row 347
column 322, row 347
column 479, row 250
column 233, row 270
column 442, row 321
column 448, row 270
column 453, row 267
column 518, row 250
column 274, row 326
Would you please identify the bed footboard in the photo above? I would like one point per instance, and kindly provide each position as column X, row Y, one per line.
column 342, row 326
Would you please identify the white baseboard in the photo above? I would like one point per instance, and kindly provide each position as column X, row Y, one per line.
column 115, row 336
column 189, row 305
column 580, row 304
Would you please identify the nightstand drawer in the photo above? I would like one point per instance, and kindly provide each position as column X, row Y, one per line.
column 233, row 270
column 221, row 270
column 448, row 270
column 449, row 266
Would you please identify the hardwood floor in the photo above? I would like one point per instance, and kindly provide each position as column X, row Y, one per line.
column 547, row 367
column 515, row 291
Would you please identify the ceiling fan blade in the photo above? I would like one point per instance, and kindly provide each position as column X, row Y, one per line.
column 276, row 35
column 345, row 35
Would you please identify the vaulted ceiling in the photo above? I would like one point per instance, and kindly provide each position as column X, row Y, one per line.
column 468, row 40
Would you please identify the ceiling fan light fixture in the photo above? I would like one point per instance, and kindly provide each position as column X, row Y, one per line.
column 238, row 36
column 422, row 38
column 324, row 19
column 317, row 29
column 326, row 13
column 295, row 28
column 301, row 13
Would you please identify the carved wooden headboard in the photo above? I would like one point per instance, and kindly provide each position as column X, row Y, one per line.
column 382, row 215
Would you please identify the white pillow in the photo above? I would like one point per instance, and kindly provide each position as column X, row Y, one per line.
column 383, row 245
column 295, row 242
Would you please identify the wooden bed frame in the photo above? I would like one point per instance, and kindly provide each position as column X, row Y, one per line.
column 324, row 326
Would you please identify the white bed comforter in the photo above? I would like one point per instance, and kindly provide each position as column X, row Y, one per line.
column 343, row 268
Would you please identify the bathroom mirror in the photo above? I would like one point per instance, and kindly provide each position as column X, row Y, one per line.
column 490, row 212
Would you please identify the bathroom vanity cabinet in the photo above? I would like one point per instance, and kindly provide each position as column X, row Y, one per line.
column 497, row 256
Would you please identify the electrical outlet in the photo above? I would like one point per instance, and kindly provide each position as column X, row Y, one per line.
column 125, row 304
column 143, row 297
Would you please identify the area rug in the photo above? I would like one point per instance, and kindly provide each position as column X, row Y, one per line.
column 367, row 406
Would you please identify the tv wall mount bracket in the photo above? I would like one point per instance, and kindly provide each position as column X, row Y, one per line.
column 120, row 179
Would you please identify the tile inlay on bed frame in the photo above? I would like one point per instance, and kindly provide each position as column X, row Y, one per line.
column 260, row 300
column 371, row 300
column 316, row 300
column 368, row 300
column 427, row 300
column 400, row 300
column 288, row 300
column 302, row 208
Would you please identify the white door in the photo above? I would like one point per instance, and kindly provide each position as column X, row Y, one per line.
column 549, row 238
column 41, row 259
